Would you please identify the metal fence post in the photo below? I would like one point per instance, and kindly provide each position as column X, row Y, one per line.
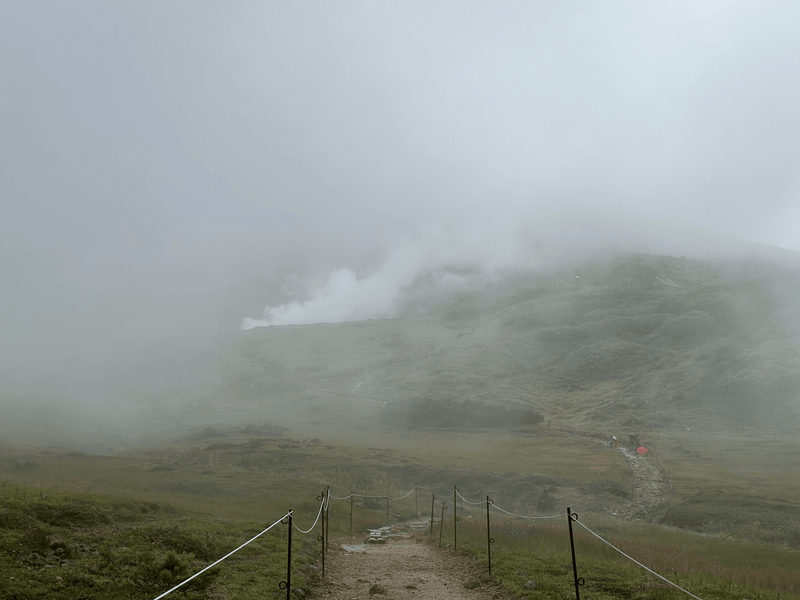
column 289, row 561
column 441, row 524
column 489, row 538
column 287, row 584
column 327, row 516
column 321, row 536
column 387, row 510
column 579, row 581
column 433, row 500
column 455, row 519
column 351, row 514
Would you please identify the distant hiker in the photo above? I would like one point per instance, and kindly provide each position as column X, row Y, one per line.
column 634, row 441
column 615, row 441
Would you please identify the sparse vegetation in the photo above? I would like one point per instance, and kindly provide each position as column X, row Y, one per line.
column 710, row 566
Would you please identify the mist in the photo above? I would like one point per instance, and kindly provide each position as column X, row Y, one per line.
column 171, row 173
column 458, row 261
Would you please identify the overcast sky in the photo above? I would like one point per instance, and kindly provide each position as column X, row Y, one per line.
column 160, row 161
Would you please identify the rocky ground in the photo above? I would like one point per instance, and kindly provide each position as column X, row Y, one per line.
column 403, row 569
column 652, row 491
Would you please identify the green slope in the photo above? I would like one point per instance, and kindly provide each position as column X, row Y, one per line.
column 657, row 341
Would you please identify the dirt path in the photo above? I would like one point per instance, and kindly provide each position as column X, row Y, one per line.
column 406, row 568
column 403, row 569
column 652, row 490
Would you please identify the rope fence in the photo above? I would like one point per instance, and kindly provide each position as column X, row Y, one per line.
column 319, row 512
column 649, row 570
column 439, row 508
column 231, row 553
column 527, row 516
column 490, row 504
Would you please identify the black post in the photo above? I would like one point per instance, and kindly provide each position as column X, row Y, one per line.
column 387, row 510
column 441, row 524
column 455, row 518
column 578, row 580
column 321, row 536
column 351, row 514
column 327, row 516
column 433, row 499
column 489, row 539
column 289, row 561
column 416, row 501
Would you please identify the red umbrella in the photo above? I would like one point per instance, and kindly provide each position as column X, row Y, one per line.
column 642, row 450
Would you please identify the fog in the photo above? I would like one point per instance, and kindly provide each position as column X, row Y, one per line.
column 170, row 172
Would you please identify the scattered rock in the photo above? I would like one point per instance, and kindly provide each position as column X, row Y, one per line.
column 359, row 580
column 377, row 589
column 530, row 585
column 57, row 544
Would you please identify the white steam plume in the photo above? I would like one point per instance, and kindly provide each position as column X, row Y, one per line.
column 382, row 294
column 468, row 259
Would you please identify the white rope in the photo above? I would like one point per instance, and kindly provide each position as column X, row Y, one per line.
column 406, row 496
column 469, row 501
column 224, row 557
column 366, row 496
column 675, row 585
column 500, row 489
column 321, row 504
column 384, row 496
column 527, row 517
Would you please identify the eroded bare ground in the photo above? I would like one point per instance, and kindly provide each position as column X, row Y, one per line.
column 652, row 491
column 403, row 569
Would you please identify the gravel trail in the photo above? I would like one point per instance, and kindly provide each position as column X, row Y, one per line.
column 403, row 569
column 652, row 491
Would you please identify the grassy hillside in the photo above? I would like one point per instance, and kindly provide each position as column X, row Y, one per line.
column 94, row 526
column 648, row 340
